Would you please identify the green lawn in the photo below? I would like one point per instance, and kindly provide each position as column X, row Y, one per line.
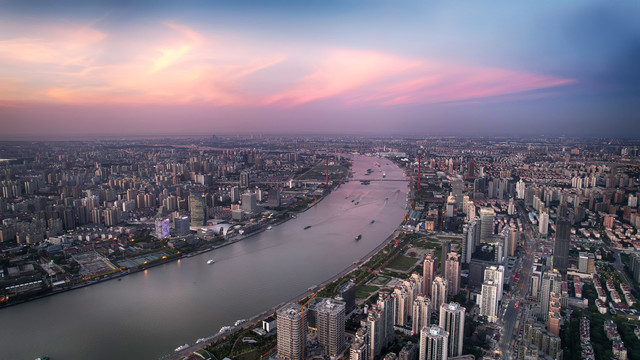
column 380, row 281
column 364, row 291
column 402, row 263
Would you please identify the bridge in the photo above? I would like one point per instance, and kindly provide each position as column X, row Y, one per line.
column 377, row 179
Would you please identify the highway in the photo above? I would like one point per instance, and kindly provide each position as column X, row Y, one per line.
column 510, row 316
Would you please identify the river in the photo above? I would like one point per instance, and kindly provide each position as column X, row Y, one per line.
column 148, row 314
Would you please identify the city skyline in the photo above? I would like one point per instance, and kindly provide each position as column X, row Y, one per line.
column 157, row 68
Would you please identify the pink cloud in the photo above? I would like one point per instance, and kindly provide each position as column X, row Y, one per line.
column 341, row 71
column 175, row 64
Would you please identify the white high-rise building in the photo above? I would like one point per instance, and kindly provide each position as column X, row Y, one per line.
column 486, row 224
column 401, row 306
column 452, row 321
column 330, row 320
column 421, row 313
column 291, row 332
column 433, row 343
column 489, row 301
column 543, row 223
column 511, row 208
column 496, row 274
column 520, row 189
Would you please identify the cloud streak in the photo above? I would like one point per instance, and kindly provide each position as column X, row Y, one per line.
column 180, row 65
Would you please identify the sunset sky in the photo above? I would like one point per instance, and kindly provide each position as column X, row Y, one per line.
column 319, row 67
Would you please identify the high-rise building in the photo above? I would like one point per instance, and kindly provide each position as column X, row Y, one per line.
column 387, row 305
column 249, row 203
column 291, row 332
column 486, row 224
column 402, row 310
column 586, row 263
column 513, row 241
column 496, row 274
column 421, row 314
column 360, row 346
column 438, row 292
column 489, row 301
column 433, row 343
column 445, row 247
column 543, row 223
column 428, row 274
column 511, row 208
column 234, row 194
column 452, row 274
column 380, row 323
column 162, row 228
column 181, row 225
column 452, row 321
column 468, row 241
column 197, row 209
column 520, row 189
column 348, row 294
column 330, row 320
column 409, row 352
column 244, row 180
column 551, row 282
column 561, row 247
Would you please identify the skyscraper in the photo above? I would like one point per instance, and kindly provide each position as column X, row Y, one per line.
column 330, row 320
column 543, row 223
column 561, row 247
column 438, row 292
column 489, row 301
column 197, row 209
column 401, row 305
column 181, row 225
column 360, row 346
column 496, row 274
column 445, row 247
column 421, row 314
column 162, row 228
column 452, row 321
column 452, row 274
column 249, row 203
column 291, row 332
column 486, row 224
column 244, row 180
column 433, row 343
column 427, row 274
column 551, row 282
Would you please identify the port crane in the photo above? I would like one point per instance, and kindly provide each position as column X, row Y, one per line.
column 304, row 340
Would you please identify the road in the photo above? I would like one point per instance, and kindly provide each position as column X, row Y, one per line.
column 519, row 294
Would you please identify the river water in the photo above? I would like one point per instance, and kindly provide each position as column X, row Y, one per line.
column 148, row 314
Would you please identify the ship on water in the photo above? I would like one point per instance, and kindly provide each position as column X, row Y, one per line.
column 358, row 237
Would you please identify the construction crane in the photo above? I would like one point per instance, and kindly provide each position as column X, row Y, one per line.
column 302, row 311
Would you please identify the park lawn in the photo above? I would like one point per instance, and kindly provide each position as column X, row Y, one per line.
column 402, row 263
column 364, row 291
column 380, row 281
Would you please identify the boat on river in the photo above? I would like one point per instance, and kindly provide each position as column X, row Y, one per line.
column 306, row 227
column 181, row 347
column 358, row 237
column 210, row 262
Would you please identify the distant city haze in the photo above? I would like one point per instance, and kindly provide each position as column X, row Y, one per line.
column 338, row 67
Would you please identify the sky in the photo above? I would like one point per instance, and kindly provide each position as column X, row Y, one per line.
column 470, row 68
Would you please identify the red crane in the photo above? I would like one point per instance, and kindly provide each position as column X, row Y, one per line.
column 327, row 173
column 419, row 166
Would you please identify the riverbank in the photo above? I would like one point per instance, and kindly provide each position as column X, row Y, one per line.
column 159, row 262
column 256, row 319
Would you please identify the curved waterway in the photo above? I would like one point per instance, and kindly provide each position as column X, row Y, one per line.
column 148, row 314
